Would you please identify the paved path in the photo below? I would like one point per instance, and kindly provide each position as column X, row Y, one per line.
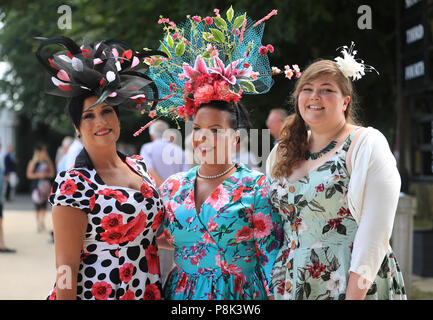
column 30, row 273
column 423, row 284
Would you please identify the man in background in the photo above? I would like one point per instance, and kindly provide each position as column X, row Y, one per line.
column 3, row 248
column 275, row 122
column 68, row 160
column 10, row 173
column 162, row 156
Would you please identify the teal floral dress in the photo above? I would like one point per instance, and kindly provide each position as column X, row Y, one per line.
column 319, row 232
column 228, row 249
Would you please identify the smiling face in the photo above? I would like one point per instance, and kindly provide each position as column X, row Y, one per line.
column 100, row 125
column 213, row 137
column 321, row 102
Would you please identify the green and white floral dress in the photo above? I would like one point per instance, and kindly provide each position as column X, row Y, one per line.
column 319, row 232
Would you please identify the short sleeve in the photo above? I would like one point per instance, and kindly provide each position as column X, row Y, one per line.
column 71, row 189
column 140, row 161
column 267, row 230
column 139, row 165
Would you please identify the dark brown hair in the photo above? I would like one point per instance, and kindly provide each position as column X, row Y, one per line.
column 75, row 108
column 239, row 118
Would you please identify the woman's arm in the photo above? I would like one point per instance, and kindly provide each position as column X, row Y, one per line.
column 163, row 231
column 357, row 286
column 268, row 241
column 69, row 226
column 29, row 171
column 164, row 244
column 373, row 197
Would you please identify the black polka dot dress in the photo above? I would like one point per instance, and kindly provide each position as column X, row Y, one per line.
column 119, row 259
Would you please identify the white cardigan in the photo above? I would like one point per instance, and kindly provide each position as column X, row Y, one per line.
column 373, row 194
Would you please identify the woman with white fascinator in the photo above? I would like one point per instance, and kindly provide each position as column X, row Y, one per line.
column 336, row 187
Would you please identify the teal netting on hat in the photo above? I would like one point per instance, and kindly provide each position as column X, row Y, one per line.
column 195, row 38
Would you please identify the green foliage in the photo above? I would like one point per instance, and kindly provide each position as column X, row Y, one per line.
column 303, row 31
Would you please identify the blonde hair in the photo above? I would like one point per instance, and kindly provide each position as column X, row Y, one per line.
column 293, row 140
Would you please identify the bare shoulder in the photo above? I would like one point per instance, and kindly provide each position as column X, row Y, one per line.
column 69, row 213
column 359, row 131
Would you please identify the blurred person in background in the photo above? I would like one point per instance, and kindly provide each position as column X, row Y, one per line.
column 40, row 170
column 68, row 159
column 3, row 248
column 162, row 157
column 63, row 149
column 10, row 174
column 275, row 122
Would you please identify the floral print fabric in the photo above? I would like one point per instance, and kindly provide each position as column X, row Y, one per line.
column 119, row 259
column 227, row 251
column 319, row 232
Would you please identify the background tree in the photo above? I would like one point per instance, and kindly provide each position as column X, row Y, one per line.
column 303, row 31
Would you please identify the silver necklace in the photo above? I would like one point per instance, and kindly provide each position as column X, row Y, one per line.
column 217, row 175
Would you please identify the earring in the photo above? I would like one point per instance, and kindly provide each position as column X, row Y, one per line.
column 79, row 135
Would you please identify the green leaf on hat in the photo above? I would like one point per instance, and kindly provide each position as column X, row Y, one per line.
column 206, row 35
column 220, row 23
column 180, row 49
column 165, row 50
column 239, row 21
column 218, row 35
column 230, row 14
column 247, row 86
column 169, row 41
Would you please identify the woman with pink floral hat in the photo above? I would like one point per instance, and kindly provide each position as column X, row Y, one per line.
column 219, row 218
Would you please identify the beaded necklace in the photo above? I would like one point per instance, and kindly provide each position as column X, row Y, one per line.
column 316, row 155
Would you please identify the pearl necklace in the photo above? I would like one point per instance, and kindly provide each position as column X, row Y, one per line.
column 217, row 175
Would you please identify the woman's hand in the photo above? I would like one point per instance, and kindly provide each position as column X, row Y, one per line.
column 357, row 287
column 164, row 244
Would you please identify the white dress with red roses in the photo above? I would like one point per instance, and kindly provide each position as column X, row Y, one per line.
column 119, row 258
